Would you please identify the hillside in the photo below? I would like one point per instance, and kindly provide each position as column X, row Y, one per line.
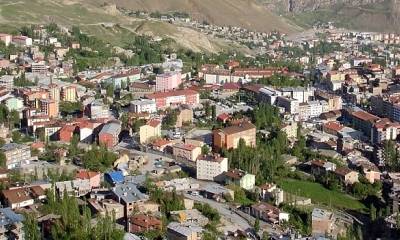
column 105, row 23
column 368, row 15
column 245, row 13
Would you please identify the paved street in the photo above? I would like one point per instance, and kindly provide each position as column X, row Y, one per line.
column 234, row 220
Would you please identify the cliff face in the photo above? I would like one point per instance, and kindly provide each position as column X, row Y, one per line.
column 310, row 5
column 297, row 6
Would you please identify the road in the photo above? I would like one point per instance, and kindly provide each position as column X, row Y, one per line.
column 234, row 220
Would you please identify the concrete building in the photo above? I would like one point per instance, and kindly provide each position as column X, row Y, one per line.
column 322, row 222
column 22, row 197
column 39, row 67
column 69, row 94
column 7, row 81
column 269, row 213
column 11, row 226
column 168, row 81
column 128, row 195
column 185, row 116
column 16, row 154
column 141, row 223
column 346, row 175
column 99, row 110
column 143, row 105
column 178, row 231
column 109, row 134
column 175, row 98
column 210, row 166
column 108, row 207
column 151, row 130
column 240, row 178
column 49, row 107
column 229, row 137
column 186, row 151
column 6, row 38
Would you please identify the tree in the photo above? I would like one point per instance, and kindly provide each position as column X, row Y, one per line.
column 205, row 149
column 257, row 225
column 110, row 90
column 265, row 235
column 2, row 159
column 372, row 212
column 14, row 118
column 31, row 228
column 214, row 112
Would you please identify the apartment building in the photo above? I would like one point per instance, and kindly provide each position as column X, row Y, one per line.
column 143, row 105
column 186, row 151
column 175, row 98
column 109, row 134
column 152, row 129
column 16, row 154
column 229, row 137
column 168, row 81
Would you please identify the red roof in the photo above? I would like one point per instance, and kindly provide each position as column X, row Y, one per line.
column 160, row 142
column 365, row 116
column 171, row 93
column 37, row 145
column 84, row 174
column 231, row 86
column 223, row 116
column 335, row 126
column 153, row 122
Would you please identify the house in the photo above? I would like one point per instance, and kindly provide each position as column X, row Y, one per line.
column 178, row 231
column 128, row 195
column 346, row 175
column 66, row 133
column 11, row 226
column 229, row 137
column 22, row 197
column 109, row 134
column 185, row 115
column 114, row 177
column 108, row 207
column 151, row 130
column 161, row 144
column 223, row 117
column 320, row 167
column 191, row 216
column 240, row 178
column 322, row 222
column 76, row 188
column 168, row 81
column 210, row 166
column 93, row 177
column 143, row 105
column 268, row 213
column 217, row 192
column 186, row 151
column 141, row 223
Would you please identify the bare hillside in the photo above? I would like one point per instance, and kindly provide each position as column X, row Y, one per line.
column 245, row 13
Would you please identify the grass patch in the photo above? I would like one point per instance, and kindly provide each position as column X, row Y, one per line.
column 321, row 195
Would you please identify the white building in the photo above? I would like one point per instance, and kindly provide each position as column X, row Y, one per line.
column 99, row 110
column 208, row 167
column 289, row 104
column 143, row 105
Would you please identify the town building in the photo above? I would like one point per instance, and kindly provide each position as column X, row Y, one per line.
column 168, row 81
column 128, row 195
column 93, row 177
column 210, row 166
column 69, row 94
column 140, row 223
column 109, row 134
column 229, row 137
column 108, row 207
column 149, row 131
column 269, row 213
column 175, row 98
column 22, row 197
column 143, row 105
column 16, row 154
column 178, row 231
column 11, row 226
column 240, row 178
column 186, row 151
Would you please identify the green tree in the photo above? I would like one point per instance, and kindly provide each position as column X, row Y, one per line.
column 372, row 212
column 110, row 90
column 257, row 225
column 205, row 149
column 31, row 228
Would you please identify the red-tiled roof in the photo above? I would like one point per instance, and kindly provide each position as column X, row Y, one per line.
column 365, row 116
column 84, row 174
column 153, row 122
column 335, row 126
column 171, row 93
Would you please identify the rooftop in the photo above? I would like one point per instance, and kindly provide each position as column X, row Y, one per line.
column 129, row 193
